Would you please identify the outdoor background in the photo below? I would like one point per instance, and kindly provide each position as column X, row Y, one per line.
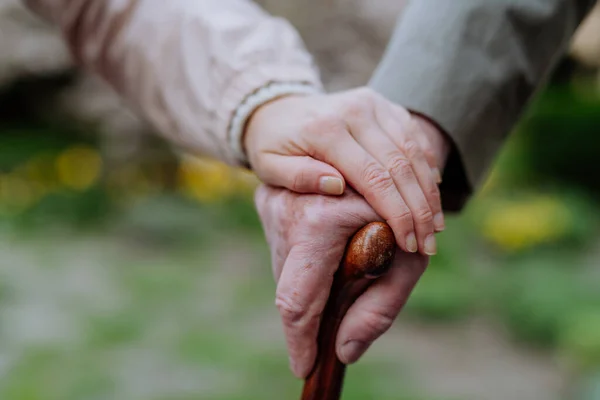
column 129, row 273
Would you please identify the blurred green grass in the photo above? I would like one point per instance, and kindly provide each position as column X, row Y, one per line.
column 165, row 322
column 118, row 284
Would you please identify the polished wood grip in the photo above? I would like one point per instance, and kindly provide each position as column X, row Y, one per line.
column 368, row 255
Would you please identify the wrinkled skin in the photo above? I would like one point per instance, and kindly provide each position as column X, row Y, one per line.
column 307, row 235
column 356, row 137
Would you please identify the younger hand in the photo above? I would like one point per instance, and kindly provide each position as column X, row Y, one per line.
column 309, row 144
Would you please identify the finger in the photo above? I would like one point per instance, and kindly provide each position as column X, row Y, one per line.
column 260, row 197
column 371, row 137
column 429, row 156
column 372, row 181
column 425, row 146
column 403, row 131
column 260, row 202
column 301, row 174
column 267, row 198
column 374, row 312
column 302, row 293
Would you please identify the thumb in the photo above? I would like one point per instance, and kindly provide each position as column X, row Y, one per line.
column 373, row 313
column 301, row 174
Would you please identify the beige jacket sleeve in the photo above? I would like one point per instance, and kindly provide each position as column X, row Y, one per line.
column 195, row 69
column 472, row 66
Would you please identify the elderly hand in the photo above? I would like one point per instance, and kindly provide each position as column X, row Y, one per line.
column 309, row 144
column 307, row 235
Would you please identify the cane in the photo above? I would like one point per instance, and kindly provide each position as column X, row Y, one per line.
column 368, row 255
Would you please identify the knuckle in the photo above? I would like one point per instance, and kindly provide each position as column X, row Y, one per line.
column 403, row 218
column 299, row 182
column 324, row 123
column 377, row 178
column 267, row 201
column 377, row 322
column 423, row 215
column 401, row 167
column 356, row 108
column 291, row 311
column 360, row 102
column 412, row 149
column 315, row 217
column 428, row 153
column 434, row 195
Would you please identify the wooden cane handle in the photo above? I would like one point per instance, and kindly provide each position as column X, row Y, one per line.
column 368, row 255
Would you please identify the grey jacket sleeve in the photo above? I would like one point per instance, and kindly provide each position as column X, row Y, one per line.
column 472, row 66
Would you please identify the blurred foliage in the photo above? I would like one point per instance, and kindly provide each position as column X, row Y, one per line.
column 524, row 251
column 48, row 175
column 562, row 140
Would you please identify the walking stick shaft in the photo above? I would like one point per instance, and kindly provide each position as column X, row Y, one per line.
column 368, row 255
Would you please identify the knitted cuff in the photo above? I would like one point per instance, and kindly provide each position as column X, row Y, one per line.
column 256, row 99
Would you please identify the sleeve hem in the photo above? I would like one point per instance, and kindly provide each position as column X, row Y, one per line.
column 248, row 84
column 261, row 96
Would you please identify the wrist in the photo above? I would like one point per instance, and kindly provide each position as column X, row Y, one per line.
column 256, row 126
column 241, row 121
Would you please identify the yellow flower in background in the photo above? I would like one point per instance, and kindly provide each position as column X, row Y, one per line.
column 205, row 180
column 79, row 167
column 40, row 167
column 17, row 193
column 40, row 171
column 516, row 226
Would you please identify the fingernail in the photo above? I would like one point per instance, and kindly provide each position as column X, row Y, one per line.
column 411, row 243
column 438, row 222
column 437, row 175
column 353, row 350
column 430, row 245
column 331, row 185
